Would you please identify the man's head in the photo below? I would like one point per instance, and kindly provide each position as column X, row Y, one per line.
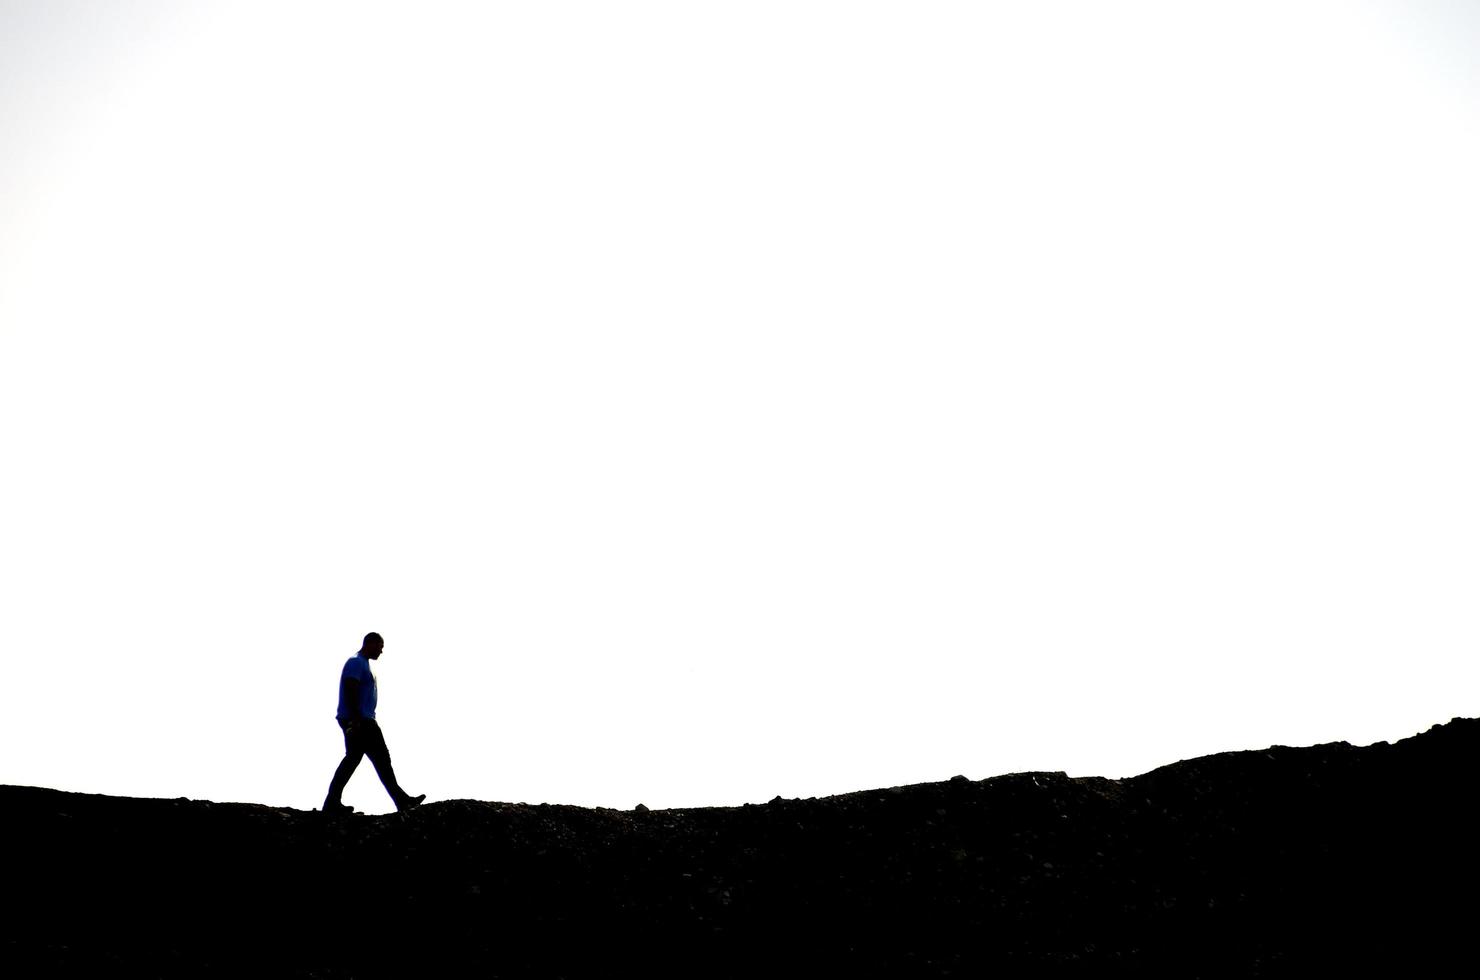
column 372, row 646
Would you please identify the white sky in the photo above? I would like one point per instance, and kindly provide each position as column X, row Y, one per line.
column 710, row 401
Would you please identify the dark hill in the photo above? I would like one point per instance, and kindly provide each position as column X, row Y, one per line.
column 1281, row 862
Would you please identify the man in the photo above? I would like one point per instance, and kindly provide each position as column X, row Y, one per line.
column 362, row 737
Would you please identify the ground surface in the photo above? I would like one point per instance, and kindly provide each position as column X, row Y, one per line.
column 1277, row 862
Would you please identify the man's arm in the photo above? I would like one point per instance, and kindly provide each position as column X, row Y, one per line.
column 349, row 692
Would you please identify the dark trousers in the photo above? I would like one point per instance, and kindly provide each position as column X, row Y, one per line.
column 362, row 738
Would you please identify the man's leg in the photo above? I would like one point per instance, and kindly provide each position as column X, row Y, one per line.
column 353, row 753
column 380, row 757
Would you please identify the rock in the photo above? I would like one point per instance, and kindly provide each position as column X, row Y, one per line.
column 1305, row 861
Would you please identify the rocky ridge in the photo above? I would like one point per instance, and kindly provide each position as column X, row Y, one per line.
column 1275, row 862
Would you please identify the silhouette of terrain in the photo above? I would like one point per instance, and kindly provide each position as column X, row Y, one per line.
column 1279, row 862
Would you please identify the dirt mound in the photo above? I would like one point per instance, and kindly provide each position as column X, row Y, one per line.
column 1277, row 862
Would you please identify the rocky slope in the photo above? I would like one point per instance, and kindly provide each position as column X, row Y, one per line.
column 1278, row 862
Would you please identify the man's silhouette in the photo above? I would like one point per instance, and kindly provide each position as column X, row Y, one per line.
column 362, row 737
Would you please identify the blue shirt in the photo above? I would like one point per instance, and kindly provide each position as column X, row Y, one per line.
column 357, row 668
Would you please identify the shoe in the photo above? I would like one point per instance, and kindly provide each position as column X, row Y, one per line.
column 338, row 809
column 410, row 802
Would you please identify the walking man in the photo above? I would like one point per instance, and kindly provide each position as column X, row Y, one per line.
column 362, row 735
